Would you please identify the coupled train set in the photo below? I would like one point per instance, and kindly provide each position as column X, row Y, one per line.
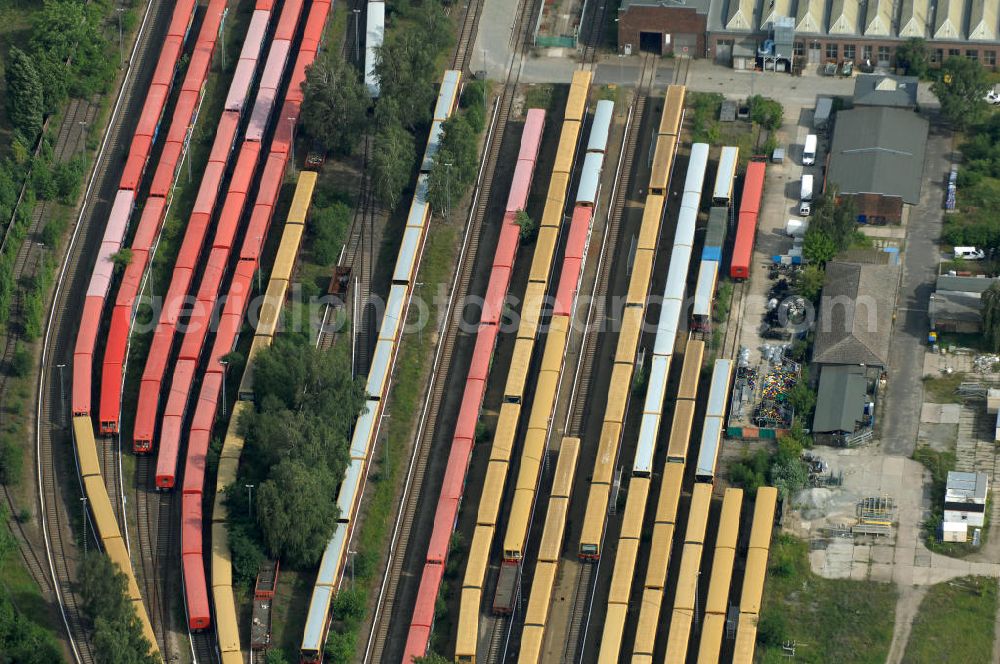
column 207, row 301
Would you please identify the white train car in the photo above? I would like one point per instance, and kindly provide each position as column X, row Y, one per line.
column 722, row 194
column 668, row 325
column 714, row 427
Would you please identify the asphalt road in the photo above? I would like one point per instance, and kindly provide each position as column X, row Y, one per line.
column 904, row 393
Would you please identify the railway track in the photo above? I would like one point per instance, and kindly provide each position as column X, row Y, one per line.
column 466, row 38
column 459, row 290
column 25, row 267
column 57, row 497
column 157, row 541
column 734, row 327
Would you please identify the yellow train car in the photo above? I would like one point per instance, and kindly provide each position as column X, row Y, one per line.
column 635, row 507
column 663, row 163
column 660, row 548
column 468, row 626
column 607, row 449
column 503, row 437
column 555, row 202
column 555, row 527
column 492, row 498
column 621, row 577
column 270, row 308
column 649, row 228
column 593, row 522
column 304, row 188
column 648, row 625
column 227, row 472
column 479, row 557
column 729, row 519
column 531, row 308
column 566, row 151
column 763, row 517
column 614, row 630
column 701, row 499
column 753, row 581
column 518, row 522
column 517, row 375
column 532, row 452
column 100, row 507
column 288, row 250
column 115, row 548
column 694, row 355
column 618, row 392
column 562, row 481
column 86, row 447
column 710, row 646
column 687, row 577
column 629, row 334
column 531, row 644
column 670, row 493
column 226, row 628
column 680, row 432
column 638, row 285
column 222, row 564
column 746, row 639
column 576, row 104
column 541, row 594
column 678, row 636
column 545, row 249
column 673, row 110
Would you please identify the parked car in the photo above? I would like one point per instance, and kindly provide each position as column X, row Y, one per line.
column 969, row 253
column 992, row 97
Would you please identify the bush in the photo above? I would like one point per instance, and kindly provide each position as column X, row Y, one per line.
column 329, row 226
column 21, row 363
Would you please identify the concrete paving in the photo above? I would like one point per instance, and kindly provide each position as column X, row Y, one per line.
column 897, row 428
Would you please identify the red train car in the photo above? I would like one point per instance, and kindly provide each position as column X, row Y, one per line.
column 746, row 228
column 453, row 486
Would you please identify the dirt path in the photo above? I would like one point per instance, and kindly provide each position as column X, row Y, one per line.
column 907, row 607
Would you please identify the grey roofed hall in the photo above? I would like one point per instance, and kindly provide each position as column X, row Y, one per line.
column 885, row 90
column 855, row 314
column 947, row 282
column 953, row 307
column 840, row 402
column 878, row 150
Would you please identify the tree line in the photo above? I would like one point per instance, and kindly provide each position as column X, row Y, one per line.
column 117, row 632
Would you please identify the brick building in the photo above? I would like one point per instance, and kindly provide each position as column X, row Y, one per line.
column 825, row 30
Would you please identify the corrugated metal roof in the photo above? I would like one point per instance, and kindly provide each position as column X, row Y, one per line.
column 844, row 17
column 879, row 150
column 948, row 19
column 855, row 316
column 809, row 16
column 885, row 90
column 913, row 19
column 878, row 18
column 983, row 20
column 840, row 402
column 947, row 282
column 967, row 486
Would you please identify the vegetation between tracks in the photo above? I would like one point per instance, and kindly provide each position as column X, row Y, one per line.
column 955, row 623
column 848, row 621
column 117, row 632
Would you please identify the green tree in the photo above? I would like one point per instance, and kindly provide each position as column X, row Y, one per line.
column 528, row 226
column 817, row 246
column 961, row 89
column 276, row 656
column 447, row 184
column 334, row 104
column 431, row 658
column 25, row 95
column 118, row 637
column 122, row 258
column 802, row 399
column 297, row 511
column 809, row 282
column 328, row 226
column 991, row 316
column 391, row 163
column 768, row 113
column 788, row 476
column 405, row 67
column 913, row 56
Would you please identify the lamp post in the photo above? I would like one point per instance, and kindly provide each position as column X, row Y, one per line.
column 222, row 31
column 447, row 188
column 260, row 249
column 225, row 365
column 250, row 499
column 83, row 128
column 291, row 127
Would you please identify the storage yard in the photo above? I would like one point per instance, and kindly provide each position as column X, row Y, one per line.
column 564, row 495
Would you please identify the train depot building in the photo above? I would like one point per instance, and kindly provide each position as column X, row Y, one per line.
column 821, row 31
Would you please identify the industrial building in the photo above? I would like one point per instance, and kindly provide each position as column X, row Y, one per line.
column 956, row 304
column 822, row 30
column 964, row 504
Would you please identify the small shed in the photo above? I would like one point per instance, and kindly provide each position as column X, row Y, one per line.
column 821, row 117
column 965, row 498
column 840, row 403
column 954, row 532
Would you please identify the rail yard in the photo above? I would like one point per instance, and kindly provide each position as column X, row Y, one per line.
column 561, row 497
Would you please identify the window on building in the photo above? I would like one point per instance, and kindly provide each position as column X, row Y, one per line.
column 990, row 58
column 799, row 48
column 972, row 54
column 954, row 53
column 937, row 55
column 849, row 51
column 866, row 52
column 883, row 53
column 831, row 51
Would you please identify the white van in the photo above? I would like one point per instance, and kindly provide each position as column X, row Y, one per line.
column 809, row 151
column 969, row 253
column 807, row 188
